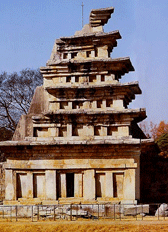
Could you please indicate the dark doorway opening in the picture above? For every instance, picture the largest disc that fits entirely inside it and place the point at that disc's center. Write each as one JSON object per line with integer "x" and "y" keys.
{"x": 70, "y": 184}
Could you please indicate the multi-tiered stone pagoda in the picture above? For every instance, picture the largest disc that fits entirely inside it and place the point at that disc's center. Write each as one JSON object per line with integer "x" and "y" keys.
{"x": 79, "y": 141}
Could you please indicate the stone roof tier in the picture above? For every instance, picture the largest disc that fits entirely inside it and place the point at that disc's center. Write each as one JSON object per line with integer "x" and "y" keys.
{"x": 89, "y": 92}
{"x": 90, "y": 116}
{"x": 118, "y": 66}
{"x": 89, "y": 39}
{"x": 99, "y": 17}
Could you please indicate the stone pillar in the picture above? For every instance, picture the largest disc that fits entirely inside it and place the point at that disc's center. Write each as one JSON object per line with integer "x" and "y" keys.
{"x": 87, "y": 131}
{"x": 58, "y": 80}
{"x": 137, "y": 177}
{"x": 69, "y": 56}
{"x": 103, "y": 131}
{"x": 113, "y": 76}
{"x": 52, "y": 131}
{"x": 78, "y": 185}
{"x": 129, "y": 186}
{"x": 63, "y": 185}
{"x": 9, "y": 186}
{"x": 73, "y": 79}
{"x": 92, "y": 54}
{"x": 103, "y": 51}
{"x": 64, "y": 80}
{"x": 109, "y": 79}
{"x": 118, "y": 104}
{"x": 94, "y": 104}
{"x": 57, "y": 132}
{"x": 56, "y": 106}
{"x": 104, "y": 104}
{"x": 69, "y": 130}
{"x": 123, "y": 131}
{"x": 109, "y": 184}
{"x": 50, "y": 179}
{"x": 70, "y": 105}
{"x": 29, "y": 185}
{"x": 98, "y": 78}
{"x": 89, "y": 192}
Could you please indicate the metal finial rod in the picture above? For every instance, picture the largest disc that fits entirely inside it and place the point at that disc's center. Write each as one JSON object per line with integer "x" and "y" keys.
{"x": 82, "y": 14}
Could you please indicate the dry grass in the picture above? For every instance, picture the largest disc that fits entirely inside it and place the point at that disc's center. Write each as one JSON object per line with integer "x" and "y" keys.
{"x": 82, "y": 226}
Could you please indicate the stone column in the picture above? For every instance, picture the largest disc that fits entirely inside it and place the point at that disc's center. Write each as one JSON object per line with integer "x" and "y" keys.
{"x": 94, "y": 104}
{"x": 103, "y": 131}
{"x": 73, "y": 79}
{"x": 137, "y": 177}
{"x": 98, "y": 78}
{"x": 64, "y": 80}
{"x": 9, "y": 186}
{"x": 129, "y": 185}
{"x": 89, "y": 185}
{"x": 63, "y": 185}
{"x": 69, "y": 130}
{"x": 29, "y": 185}
{"x": 78, "y": 185}
{"x": 118, "y": 104}
{"x": 50, "y": 179}
{"x": 70, "y": 105}
{"x": 104, "y": 104}
{"x": 92, "y": 54}
{"x": 109, "y": 184}
{"x": 103, "y": 51}
{"x": 69, "y": 56}
{"x": 52, "y": 131}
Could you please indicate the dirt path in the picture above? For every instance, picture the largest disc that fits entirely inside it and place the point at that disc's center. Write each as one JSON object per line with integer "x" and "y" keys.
{"x": 88, "y": 226}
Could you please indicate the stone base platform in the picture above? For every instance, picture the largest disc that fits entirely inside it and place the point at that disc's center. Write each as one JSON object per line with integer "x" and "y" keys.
{"x": 65, "y": 201}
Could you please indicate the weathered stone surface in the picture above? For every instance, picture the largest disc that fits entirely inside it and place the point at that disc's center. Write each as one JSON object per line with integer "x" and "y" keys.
{"x": 162, "y": 211}
{"x": 77, "y": 144}
{"x": 2, "y": 182}
{"x": 135, "y": 209}
{"x": 100, "y": 17}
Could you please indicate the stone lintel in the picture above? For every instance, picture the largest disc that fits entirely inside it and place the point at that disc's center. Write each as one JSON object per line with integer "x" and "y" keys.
{"x": 76, "y": 166}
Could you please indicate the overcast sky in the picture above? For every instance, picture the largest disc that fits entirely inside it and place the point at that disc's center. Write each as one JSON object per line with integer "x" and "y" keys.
{"x": 28, "y": 29}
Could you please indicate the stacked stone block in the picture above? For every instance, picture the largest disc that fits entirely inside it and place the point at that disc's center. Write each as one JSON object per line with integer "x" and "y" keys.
{"x": 79, "y": 142}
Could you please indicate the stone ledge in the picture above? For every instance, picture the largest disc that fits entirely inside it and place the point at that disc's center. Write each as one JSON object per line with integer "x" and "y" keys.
{"x": 31, "y": 141}
{"x": 99, "y": 17}
{"x": 88, "y": 85}
{"x": 91, "y": 60}
{"x": 114, "y": 34}
{"x": 141, "y": 112}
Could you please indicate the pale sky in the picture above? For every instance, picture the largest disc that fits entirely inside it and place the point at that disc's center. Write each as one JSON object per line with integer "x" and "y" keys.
{"x": 29, "y": 28}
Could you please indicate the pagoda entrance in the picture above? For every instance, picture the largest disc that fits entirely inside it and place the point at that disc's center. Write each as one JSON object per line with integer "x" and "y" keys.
{"x": 70, "y": 184}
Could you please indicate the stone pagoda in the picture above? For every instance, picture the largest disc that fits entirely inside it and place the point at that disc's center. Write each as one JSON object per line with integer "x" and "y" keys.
{"x": 79, "y": 142}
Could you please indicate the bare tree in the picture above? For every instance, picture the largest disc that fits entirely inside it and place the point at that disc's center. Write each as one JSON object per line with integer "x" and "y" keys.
{"x": 16, "y": 92}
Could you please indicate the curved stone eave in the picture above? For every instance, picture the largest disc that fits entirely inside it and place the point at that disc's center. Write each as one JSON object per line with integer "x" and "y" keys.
{"x": 113, "y": 34}
{"x": 119, "y": 65}
{"x": 132, "y": 86}
{"x": 90, "y": 112}
{"x": 136, "y": 115}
